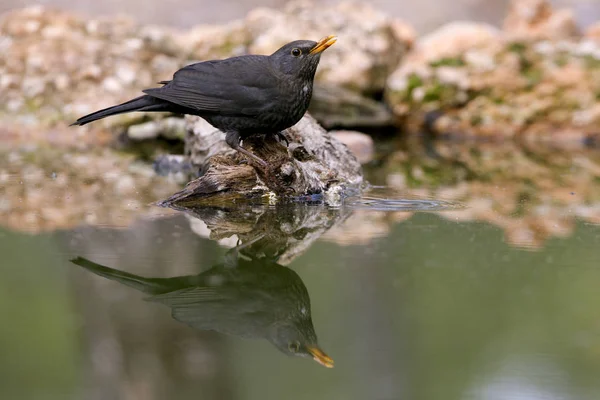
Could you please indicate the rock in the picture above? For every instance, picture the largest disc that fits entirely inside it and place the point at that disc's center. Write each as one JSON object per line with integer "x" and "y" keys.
{"x": 536, "y": 19}
{"x": 280, "y": 232}
{"x": 101, "y": 61}
{"x": 145, "y": 131}
{"x": 315, "y": 165}
{"x": 109, "y": 60}
{"x": 360, "y": 144}
{"x": 593, "y": 32}
{"x": 100, "y": 186}
{"x": 335, "y": 106}
{"x": 370, "y": 44}
{"x": 210, "y": 42}
{"x": 476, "y": 81}
{"x": 175, "y": 166}
{"x": 452, "y": 40}
{"x": 439, "y": 58}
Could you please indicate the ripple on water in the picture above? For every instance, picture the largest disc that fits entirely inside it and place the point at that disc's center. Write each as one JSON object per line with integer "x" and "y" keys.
{"x": 384, "y": 199}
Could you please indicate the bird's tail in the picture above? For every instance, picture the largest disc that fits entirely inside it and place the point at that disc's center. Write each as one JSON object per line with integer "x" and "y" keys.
{"x": 142, "y": 103}
{"x": 151, "y": 286}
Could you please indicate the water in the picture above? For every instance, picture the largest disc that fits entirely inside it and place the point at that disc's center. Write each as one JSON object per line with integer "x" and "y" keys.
{"x": 459, "y": 283}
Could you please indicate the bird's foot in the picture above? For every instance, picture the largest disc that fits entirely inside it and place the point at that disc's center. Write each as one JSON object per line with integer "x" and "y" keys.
{"x": 282, "y": 138}
{"x": 253, "y": 157}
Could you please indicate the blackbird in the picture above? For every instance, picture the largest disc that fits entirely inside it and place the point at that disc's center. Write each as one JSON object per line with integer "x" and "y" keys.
{"x": 252, "y": 298}
{"x": 241, "y": 96}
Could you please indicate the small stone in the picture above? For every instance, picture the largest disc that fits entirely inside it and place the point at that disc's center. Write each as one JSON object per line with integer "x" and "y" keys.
{"x": 33, "y": 86}
{"x": 454, "y": 39}
{"x": 126, "y": 74}
{"x": 360, "y": 144}
{"x": 172, "y": 128}
{"x": 536, "y": 19}
{"x": 61, "y": 82}
{"x": 125, "y": 185}
{"x": 145, "y": 131}
{"x": 111, "y": 84}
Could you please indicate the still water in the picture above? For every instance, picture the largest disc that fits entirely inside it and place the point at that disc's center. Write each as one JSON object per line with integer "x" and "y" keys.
{"x": 450, "y": 289}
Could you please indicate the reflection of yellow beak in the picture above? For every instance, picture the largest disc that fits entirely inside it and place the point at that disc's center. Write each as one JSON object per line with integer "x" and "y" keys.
{"x": 323, "y": 44}
{"x": 320, "y": 357}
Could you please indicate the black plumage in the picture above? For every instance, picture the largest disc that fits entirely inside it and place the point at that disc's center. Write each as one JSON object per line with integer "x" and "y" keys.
{"x": 257, "y": 299}
{"x": 241, "y": 96}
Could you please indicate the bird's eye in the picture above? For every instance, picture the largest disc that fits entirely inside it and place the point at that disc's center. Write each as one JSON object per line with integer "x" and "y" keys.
{"x": 296, "y": 52}
{"x": 294, "y": 347}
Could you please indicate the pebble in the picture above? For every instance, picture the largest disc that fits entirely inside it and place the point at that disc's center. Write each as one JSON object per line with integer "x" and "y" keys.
{"x": 360, "y": 144}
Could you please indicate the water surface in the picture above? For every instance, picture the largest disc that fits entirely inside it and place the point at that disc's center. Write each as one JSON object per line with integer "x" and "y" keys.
{"x": 471, "y": 282}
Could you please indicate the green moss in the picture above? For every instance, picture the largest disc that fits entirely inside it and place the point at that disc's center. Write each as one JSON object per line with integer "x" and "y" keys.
{"x": 591, "y": 62}
{"x": 433, "y": 93}
{"x": 524, "y": 198}
{"x": 448, "y": 62}
{"x": 561, "y": 59}
{"x": 476, "y": 120}
{"x": 517, "y": 47}
{"x": 534, "y": 76}
{"x": 414, "y": 81}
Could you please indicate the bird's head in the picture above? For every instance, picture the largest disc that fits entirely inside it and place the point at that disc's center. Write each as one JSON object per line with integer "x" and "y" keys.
{"x": 300, "y": 58}
{"x": 299, "y": 340}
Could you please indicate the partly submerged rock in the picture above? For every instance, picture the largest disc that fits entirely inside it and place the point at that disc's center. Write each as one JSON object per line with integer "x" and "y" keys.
{"x": 281, "y": 232}
{"x": 314, "y": 166}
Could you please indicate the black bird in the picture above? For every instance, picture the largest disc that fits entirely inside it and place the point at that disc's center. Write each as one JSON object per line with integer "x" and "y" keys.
{"x": 241, "y": 96}
{"x": 251, "y": 299}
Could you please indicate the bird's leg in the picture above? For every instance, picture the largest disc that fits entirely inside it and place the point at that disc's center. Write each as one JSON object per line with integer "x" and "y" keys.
{"x": 282, "y": 138}
{"x": 233, "y": 139}
{"x": 231, "y": 257}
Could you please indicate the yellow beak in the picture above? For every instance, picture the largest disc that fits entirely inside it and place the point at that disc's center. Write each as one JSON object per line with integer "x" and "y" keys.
{"x": 323, "y": 44}
{"x": 320, "y": 357}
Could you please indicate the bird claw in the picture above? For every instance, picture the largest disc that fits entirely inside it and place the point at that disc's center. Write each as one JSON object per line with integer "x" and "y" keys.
{"x": 281, "y": 138}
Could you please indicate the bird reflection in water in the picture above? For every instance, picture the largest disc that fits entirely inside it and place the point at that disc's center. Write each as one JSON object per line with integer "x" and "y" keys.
{"x": 244, "y": 296}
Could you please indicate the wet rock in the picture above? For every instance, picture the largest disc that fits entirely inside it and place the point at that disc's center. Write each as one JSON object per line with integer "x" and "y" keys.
{"x": 273, "y": 231}
{"x": 177, "y": 167}
{"x": 314, "y": 164}
{"x": 62, "y": 189}
{"x": 360, "y": 144}
{"x": 532, "y": 192}
{"x": 536, "y": 19}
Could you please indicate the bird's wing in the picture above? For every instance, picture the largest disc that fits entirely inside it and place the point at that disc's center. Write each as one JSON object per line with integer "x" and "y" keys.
{"x": 239, "y": 85}
{"x": 223, "y": 310}
{"x": 189, "y": 296}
